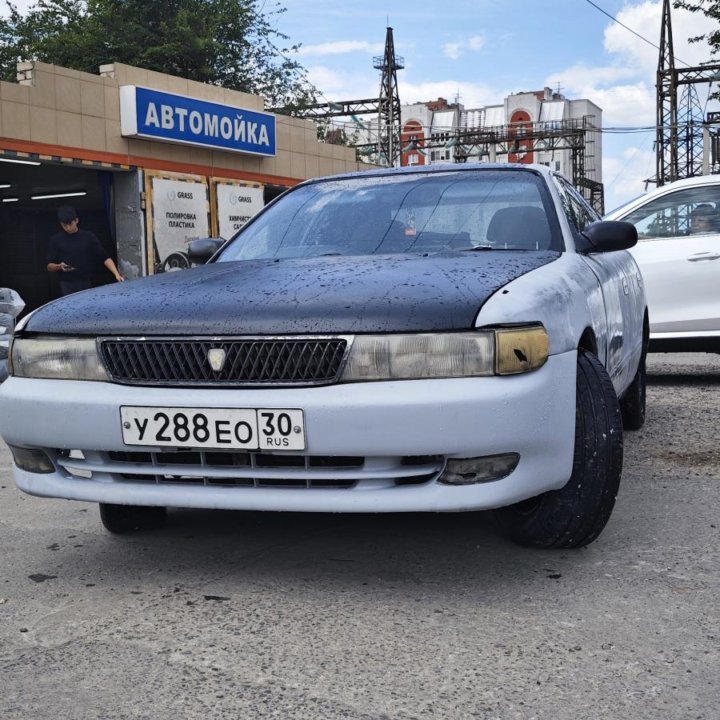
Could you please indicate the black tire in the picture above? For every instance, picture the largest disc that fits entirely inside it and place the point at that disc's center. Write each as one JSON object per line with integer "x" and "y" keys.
{"x": 632, "y": 403}
{"x": 121, "y": 519}
{"x": 576, "y": 514}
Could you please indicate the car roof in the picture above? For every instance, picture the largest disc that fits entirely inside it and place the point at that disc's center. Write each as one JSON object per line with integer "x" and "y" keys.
{"x": 434, "y": 168}
{"x": 698, "y": 180}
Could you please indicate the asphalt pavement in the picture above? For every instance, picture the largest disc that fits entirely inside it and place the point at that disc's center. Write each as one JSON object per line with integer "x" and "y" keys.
{"x": 240, "y": 615}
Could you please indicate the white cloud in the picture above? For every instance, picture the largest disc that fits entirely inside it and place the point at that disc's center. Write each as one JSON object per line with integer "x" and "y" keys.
{"x": 342, "y": 85}
{"x": 625, "y": 87}
{"x": 476, "y": 42}
{"x": 454, "y": 50}
{"x": 625, "y": 175}
{"x": 583, "y": 76}
{"x": 337, "y": 85}
{"x": 630, "y": 105}
{"x": 341, "y": 47}
{"x": 471, "y": 95}
{"x": 623, "y": 103}
{"x": 644, "y": 18}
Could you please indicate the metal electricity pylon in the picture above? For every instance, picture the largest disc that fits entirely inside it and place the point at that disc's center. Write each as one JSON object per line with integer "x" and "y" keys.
{"x": 672, "y": 161}
{"x": 690, "y": 132}
{"x": 386, "y": 106}
{"x": 389, "y": 110}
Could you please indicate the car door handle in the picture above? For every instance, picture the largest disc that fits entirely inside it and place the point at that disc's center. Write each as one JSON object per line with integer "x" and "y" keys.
{"x": 703, "y": 256}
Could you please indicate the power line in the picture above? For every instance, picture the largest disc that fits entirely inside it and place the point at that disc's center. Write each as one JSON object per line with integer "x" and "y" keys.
{"x": 616, "y": 130}
{"x": 635, "y": 152}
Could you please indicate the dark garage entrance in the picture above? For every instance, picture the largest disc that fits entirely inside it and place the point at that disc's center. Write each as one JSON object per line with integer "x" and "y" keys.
{"x": 28, "y": 220}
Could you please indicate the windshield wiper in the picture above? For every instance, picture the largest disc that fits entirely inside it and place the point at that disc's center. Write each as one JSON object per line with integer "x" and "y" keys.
{"x": 477, "y": 248}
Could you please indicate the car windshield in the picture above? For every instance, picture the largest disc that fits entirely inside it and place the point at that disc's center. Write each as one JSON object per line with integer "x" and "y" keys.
{"x": 404, "y": 213}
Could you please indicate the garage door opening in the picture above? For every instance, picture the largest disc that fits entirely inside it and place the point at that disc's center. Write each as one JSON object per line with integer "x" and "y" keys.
{"x": 30, "y": 195}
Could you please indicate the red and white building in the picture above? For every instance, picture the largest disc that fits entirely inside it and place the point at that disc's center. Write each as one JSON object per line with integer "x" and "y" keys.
{"x": 434, "y": 132}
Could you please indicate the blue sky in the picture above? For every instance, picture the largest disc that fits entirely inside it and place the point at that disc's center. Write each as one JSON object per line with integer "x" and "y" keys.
{"x": 482, "y": 50}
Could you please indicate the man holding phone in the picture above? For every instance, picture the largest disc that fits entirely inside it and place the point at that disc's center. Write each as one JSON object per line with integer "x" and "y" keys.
{"x": 76, "y": 254}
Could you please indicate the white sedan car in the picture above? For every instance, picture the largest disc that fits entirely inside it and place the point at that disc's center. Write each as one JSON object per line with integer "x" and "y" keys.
{"x": 417, "y": 340}
{"x": 678, "y": 253}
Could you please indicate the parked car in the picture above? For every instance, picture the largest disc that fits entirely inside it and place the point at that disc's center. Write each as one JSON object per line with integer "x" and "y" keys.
{"x": 430, "y": 339}
{"x": 11, "y": 305}
{"x": 678, "y": 253}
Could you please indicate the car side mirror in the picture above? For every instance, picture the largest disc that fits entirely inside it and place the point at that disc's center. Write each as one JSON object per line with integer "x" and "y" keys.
{"x": 607, "y": 236}
{"x": 201, "y": 250}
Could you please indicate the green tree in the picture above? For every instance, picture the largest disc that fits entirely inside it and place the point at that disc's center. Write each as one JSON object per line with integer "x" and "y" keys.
{"x": 332, "y": 134}
{"x": 232, "y": 43}
{"x": 711, "y": 10}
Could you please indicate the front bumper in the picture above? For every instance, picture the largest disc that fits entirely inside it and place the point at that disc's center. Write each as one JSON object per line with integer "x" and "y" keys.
{"x": 382, "y": 423}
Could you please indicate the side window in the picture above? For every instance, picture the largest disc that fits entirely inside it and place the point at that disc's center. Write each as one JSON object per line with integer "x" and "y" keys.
{"x": 583, "y": 211}
{"x": 579, "y": 213}
{"x": 567, "y": 205}
{"x": 684, "y": 212}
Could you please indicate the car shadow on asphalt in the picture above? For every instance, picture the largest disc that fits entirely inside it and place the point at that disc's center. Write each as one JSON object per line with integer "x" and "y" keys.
{"x": 346, "y": 535}
{"x": 684, "y": 379}
{"x": 215, "y": 550}
{"x": 684, "y": 369}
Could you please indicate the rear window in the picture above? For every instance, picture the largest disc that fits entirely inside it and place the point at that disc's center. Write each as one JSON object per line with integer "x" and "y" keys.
{"x": 404, "y": 213}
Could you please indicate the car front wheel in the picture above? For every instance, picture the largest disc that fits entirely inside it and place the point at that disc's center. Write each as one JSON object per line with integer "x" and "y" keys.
{"x": 120, "y": 519}
{"x": 577, "y": 513}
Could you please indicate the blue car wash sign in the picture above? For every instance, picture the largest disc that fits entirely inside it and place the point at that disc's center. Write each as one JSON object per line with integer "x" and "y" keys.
{"x": 157, "y": 115}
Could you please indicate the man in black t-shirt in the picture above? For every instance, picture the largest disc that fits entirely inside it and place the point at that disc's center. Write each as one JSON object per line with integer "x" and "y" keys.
{"x": 76, "y": 254}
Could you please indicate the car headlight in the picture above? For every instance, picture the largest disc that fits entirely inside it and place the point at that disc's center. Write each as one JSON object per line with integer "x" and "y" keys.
{"x": 520, "y": 349}
{"x": 56, "y": 358}
{"x": 502, "y": 351}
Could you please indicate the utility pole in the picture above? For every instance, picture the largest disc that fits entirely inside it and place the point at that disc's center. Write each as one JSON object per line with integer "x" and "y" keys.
{"x": 666, "y": 145}
{"x": 389, "y": 103}
{"x": 690, "y": 132}
{"x": 672, "y": 162}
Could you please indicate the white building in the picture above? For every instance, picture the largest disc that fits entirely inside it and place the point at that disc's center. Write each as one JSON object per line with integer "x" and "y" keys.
{"x": 540, "y": 126}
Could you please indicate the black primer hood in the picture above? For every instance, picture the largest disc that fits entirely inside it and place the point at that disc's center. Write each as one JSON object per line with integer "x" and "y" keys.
{"x": 374, "y": 293}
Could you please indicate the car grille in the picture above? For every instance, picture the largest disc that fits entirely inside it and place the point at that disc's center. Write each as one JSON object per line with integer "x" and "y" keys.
{"x": 252, "y": 469}
{"x": 256, "y": 361}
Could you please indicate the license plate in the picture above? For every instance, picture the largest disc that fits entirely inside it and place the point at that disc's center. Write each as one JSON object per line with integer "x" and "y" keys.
{"x": 214, "y": 428}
